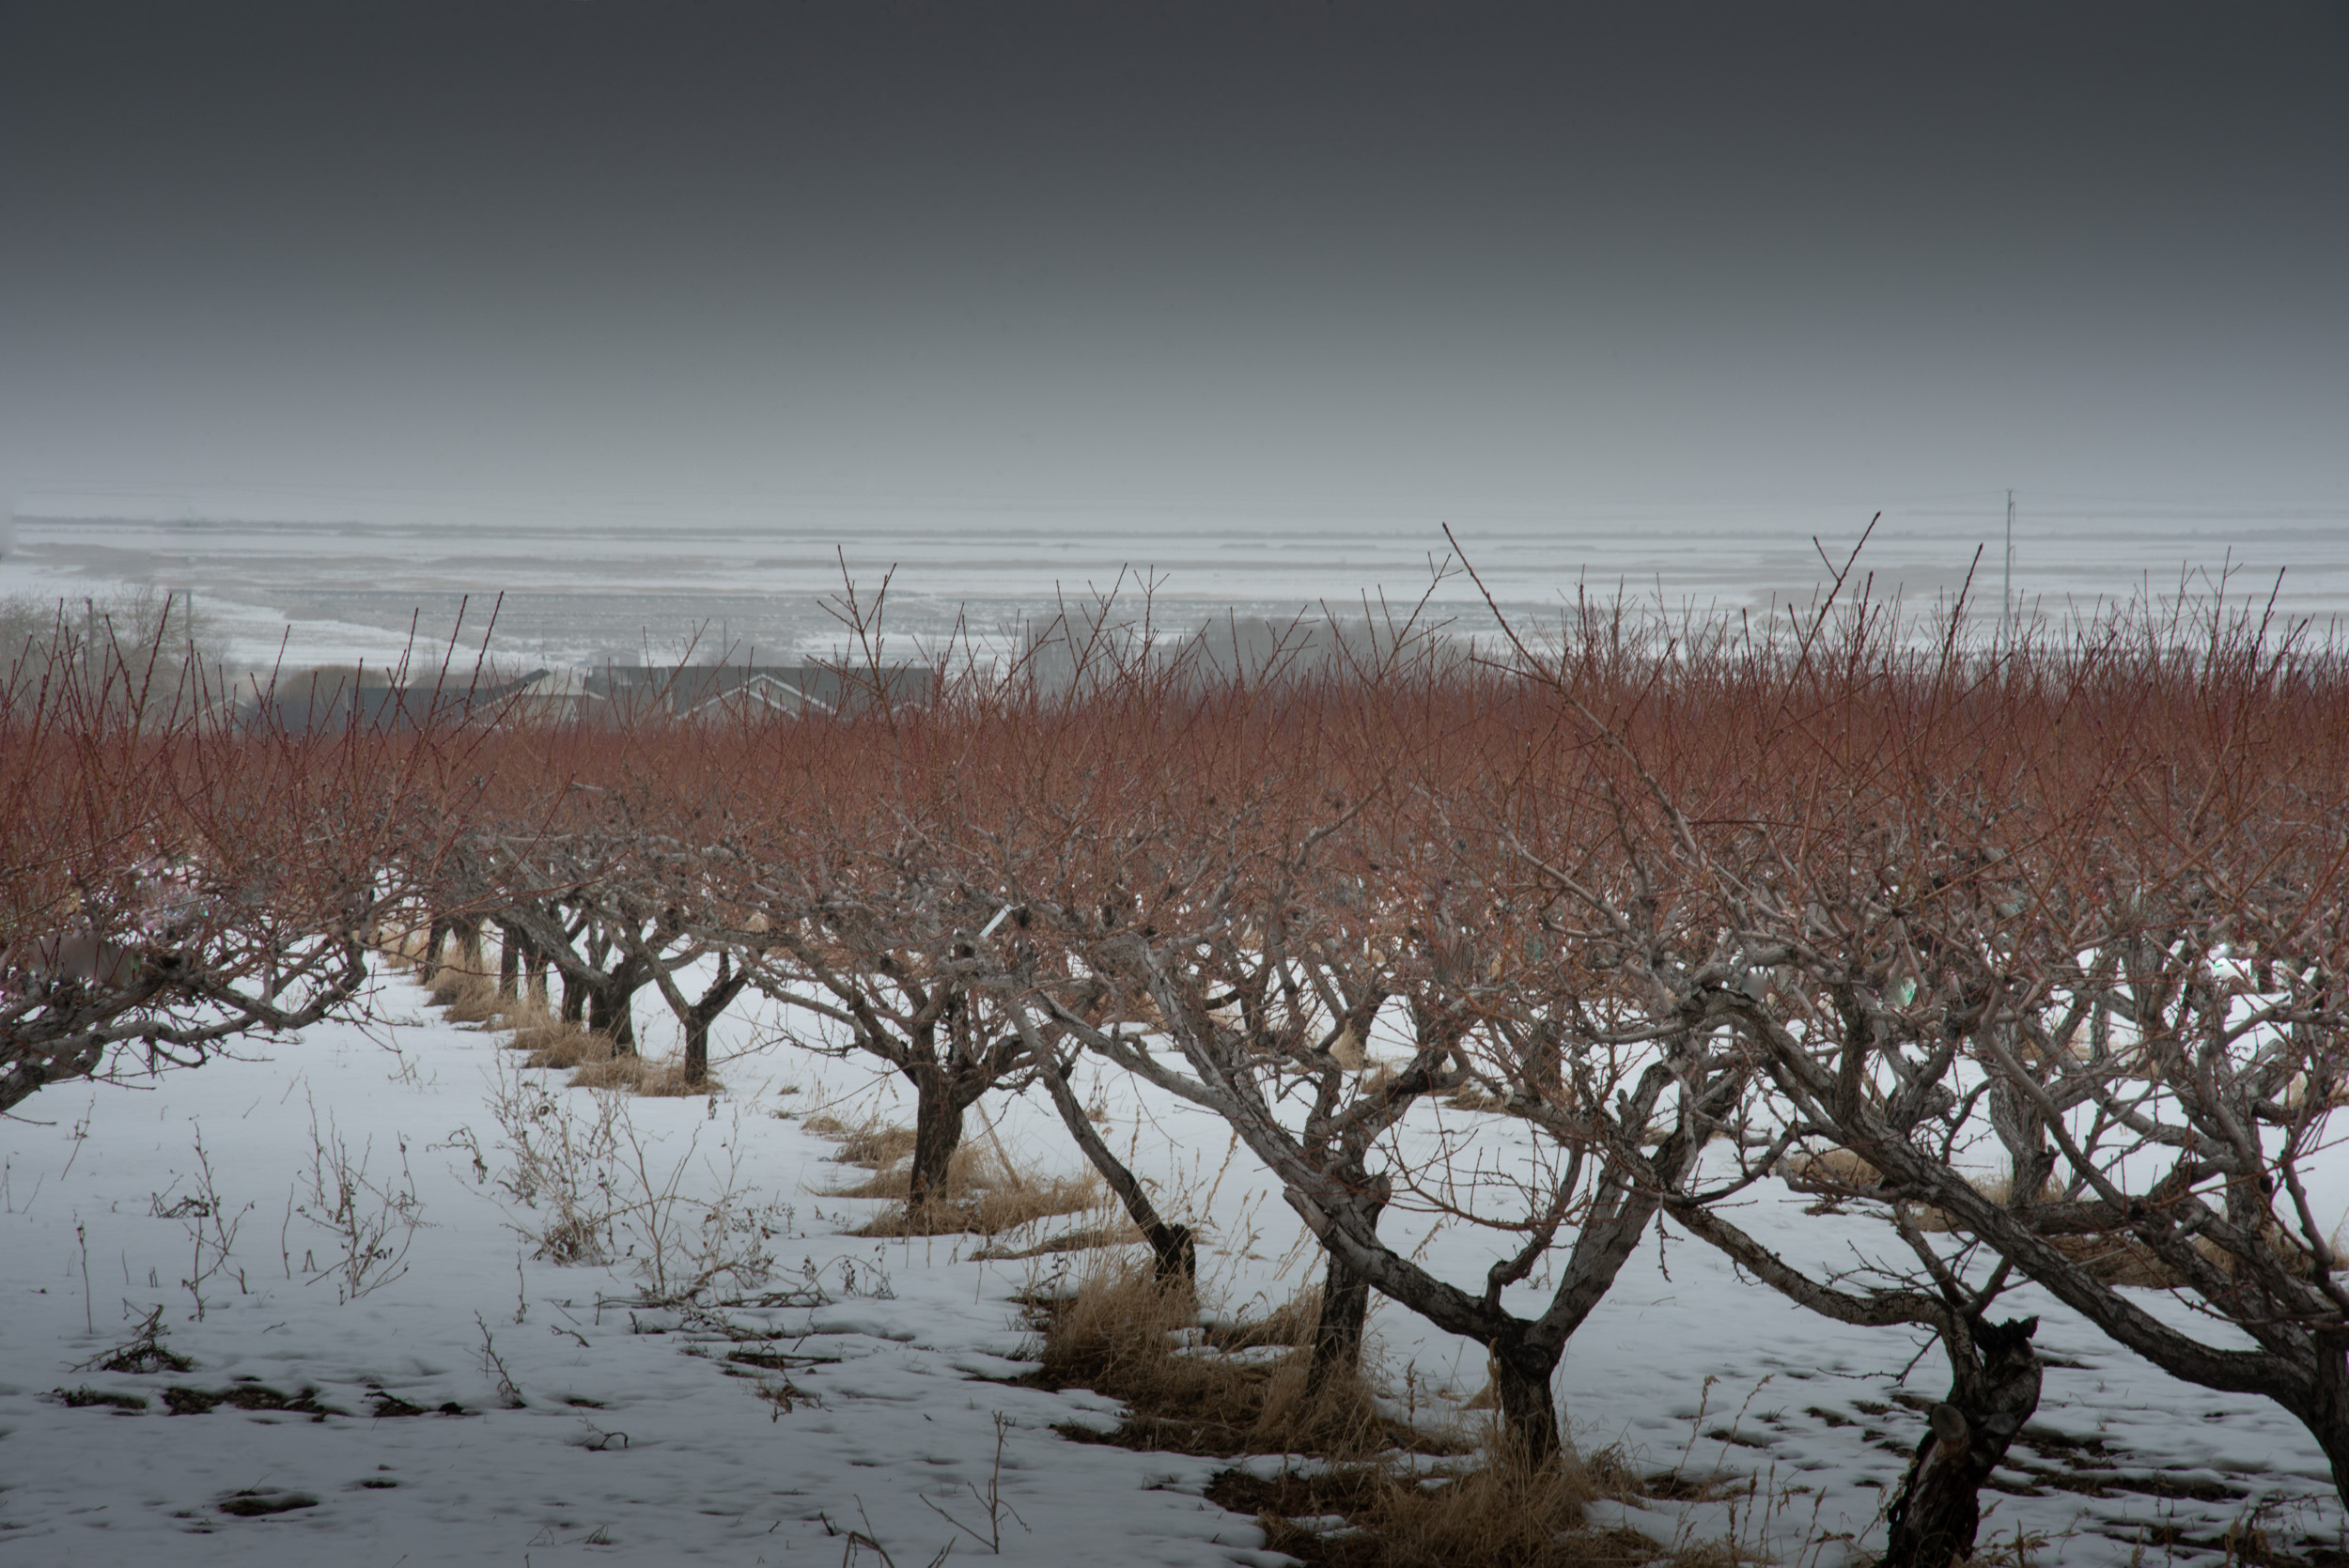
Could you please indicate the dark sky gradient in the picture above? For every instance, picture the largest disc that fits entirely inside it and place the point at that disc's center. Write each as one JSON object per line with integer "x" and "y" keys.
{"x": 1274, "y": 255}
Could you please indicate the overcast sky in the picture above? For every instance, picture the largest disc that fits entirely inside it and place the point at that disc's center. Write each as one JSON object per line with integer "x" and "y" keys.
{"x": 1280, "y": 253}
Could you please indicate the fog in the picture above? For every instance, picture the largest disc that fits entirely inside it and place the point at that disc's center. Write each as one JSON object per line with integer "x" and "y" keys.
{"x": 1014, "y": 293}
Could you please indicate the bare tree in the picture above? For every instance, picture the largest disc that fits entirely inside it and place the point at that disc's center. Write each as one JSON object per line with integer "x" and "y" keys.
{"x": 169, "y": 880}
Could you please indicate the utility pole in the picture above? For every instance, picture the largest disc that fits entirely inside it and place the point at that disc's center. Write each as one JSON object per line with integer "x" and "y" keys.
{"x": 2006, "y": 589}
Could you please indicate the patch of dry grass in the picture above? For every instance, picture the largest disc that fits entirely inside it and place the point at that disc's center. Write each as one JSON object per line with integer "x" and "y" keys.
{"x": 1833, "y": 1167}
{"x": 871, "y": 1143}
{"x": 592, "y": 1058}
{"x": 470, "y": 999}
{"x": 1291, "y": 1323}
{"x": 667, "y": 1080}
{"x": 1117, "y": 1231}
{"x": 982, "y": 1194}
{"x": 615, "y": 1070}
{"x": 1199, "y": 1391}
{"x": 1399, "y": 1516}
{"x": 1226, "y": 1391}
{"x": 563, "y": 1045}
{"x": 539, "y": 1032}
{"x": 1340, "y": 1420}
{"x": 619, "y": 1069}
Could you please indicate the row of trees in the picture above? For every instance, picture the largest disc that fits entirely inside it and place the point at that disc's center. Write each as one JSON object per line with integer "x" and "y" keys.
{"x": 2034, "y": 951}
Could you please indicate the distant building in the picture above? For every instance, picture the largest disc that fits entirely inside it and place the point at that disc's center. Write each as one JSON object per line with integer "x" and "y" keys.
{"x": 322, "y": 701}
{"x": 750, "y": 690}
{"x": 557, "y": 697}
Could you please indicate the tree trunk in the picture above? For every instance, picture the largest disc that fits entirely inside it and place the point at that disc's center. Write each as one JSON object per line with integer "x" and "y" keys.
{"x": 1176, "y": 1250}
{"x": 609, "y": 1013}
{"x": 574, "y": 1000}
{"x": 1345, "y": 1305}
{"x": 1529, "y": 1411}
{"x": 937, "y": 1132}
{"x": 510, "y": 962}
{"x": 703, "y": 1013}
{"x": 1996, "y": 1388}
{"x": 435, "y": 944}
{"x": 2326, "y": 1412}
{"x": 469, "y": 946}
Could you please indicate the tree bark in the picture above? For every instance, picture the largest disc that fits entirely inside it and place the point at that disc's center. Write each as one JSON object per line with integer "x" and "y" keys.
{"x": 1529, "y": 1411}
{"x": 468, "y": 953}
{"x": 703, "y": 1013}
{"x": 2325, "y": 1413}
{"x": 435, "y": 946}
{"x": 510, "y": 962}
{"x": 938, "y": 1108}
{"x": 1993, "y": 1392}
{"x": 1345, "y": 1305}
{"x": 609, "y": 1013}
{"x": 1174, "y": 1247}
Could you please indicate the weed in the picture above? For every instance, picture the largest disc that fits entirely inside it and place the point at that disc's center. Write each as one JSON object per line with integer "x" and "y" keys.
{"x": 145, "y": 1351}
{"x": 604, "y": 1193}
{"x": 212, "y": 1231}
{"x": 373, "y": 1224}
{"x": 82, "y": 1398}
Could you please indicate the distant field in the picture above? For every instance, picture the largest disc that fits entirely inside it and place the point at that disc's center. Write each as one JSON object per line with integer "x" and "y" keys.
{"x": 578, "y": 588}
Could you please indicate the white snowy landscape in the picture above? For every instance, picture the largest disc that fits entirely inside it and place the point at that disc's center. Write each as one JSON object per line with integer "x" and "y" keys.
{"x": 460, "y": 1399}
{"x": 783, "y": 783}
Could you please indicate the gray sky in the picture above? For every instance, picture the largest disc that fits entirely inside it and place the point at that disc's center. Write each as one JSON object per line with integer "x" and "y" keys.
{"x": 1436, "y": 256}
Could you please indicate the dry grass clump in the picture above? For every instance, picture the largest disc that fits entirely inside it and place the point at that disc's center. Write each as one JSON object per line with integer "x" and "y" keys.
{"x": 1499, "y": 1516}
{"x": 1215, "y": 1391}
{"x": 871, "y": 1143}
{"x": 1116, "y": 1232}
{"x": 1832, "y": 1168}
{"x": 2116, "y": 1260}
{"x": 615, "y": 1070}
{"x": 469, "y": 998}
{"x": 1291, "y": 1323}
{"x": 1119, "y": 1334}
{"x": 668, "y": 1080}
{"x": 1341, "y": 1419}
{"x": 1399, "y": 1516}
{"x": 1198, "y": 1391}
{"x": 563, "y": 1045}
{"x": 1472, "y": 1097}
{"x": 619, "y": 1069}
{"x": 401, "y": 949}
{"x": 982, "y": 1193}
{"x": 594, "y": 1060}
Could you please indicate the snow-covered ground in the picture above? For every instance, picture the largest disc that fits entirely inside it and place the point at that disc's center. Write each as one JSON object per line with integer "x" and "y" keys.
{"x": 592, "y": 1430}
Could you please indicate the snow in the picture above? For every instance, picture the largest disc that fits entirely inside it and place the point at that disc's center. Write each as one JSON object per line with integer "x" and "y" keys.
{"x": 637, "y": 1439}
